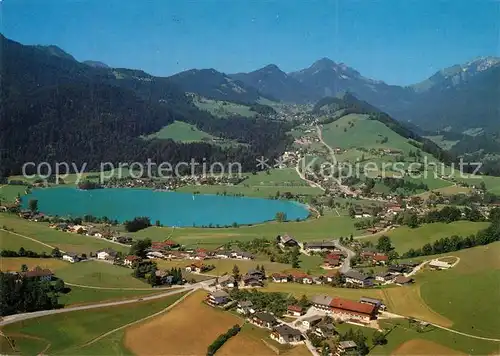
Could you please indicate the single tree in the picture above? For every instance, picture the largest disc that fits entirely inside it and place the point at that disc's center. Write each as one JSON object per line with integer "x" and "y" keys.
{"x": 59, "y": 286}
{"x": 379, "y": 338}
{"x": 33, "y": 205}
{"x": 236, "y": 273}
{"x": 24, "y": 268}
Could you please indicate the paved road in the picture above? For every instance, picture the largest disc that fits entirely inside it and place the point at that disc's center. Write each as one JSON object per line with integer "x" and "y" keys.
{"x": 345, "y": 189}
{"x": 25, "y": 316}
{"x": 346, "y": 264}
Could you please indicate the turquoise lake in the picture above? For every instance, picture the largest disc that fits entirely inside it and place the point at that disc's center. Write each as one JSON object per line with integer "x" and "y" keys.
{"x": 170, "y": 208}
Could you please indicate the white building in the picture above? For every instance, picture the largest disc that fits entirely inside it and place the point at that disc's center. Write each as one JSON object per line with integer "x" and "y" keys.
{"x": 71, "y": 257}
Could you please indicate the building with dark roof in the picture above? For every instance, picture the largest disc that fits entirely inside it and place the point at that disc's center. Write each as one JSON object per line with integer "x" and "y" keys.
{"x": 285, "y": 334}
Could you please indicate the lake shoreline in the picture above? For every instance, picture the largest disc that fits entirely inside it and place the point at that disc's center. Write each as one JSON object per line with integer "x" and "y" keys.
{"x": 171, "y": 208}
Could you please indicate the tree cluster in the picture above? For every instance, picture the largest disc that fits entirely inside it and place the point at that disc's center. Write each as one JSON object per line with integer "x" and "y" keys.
{"x": 24, "y": 295}
{"x": 221, "y": 339}
{"x": 455, "y": 243}
{"x": 88, "y": 185}
{"x": 137, "y": 224}
{"x": 359, "y": 338}
{"x": 139, "y": 248}
{"x": 23, "y": 253}
{"x": 274, "y": 302}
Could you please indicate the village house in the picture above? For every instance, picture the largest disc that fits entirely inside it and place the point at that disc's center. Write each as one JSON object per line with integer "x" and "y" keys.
{"x": 321, "y": 302}
{"x": 106, "y": 254}
{"x": 319, "y": 246}
{"x": 295, "y": 310}
{"x": 380, "y": 259}
{"x": 331, "y": 276}
{"x": 397, "y": 269}
{"x": 384, "y": 277}
{"x": 223, "y": 255}
{"x": 78, "y": 229}
{"x": 171, "y": 244}
{"x": 285, "y": 334}
{"x": 279, "y": 278}
{"x": 196, "y": 267}
{"x": 349, "y": 309}
{"x": 226, "y": 281}
{"x": 264, "y": 320}
{"x": 219, "y": 297}
{"x": 252, "y": 280}
{"x": 39, "y": 273}
{"x": 245, "y": 307}
{"x": 345, "y": 347}
{"x": 325, "y": 329}
{"x": 287, "y": 241}
{"x": 360, "y": 213}
{"x": 164, "y": 277}
{"x": 242, "y": 255}
{"x": 357, "y": 278}
{"x": 436, "y": 264}
{"x": 331, "y": 261}
{"x": 130, "y": 260}
{"x": 375, "y": 302}
{"x": 367, "y": 253}
{"x": 155, "y": 254}
{"x": 311, "y": 321}
{"x": 201, "y": 254}
{"x": 126, "y": 240}
{"x": 71, "y": 257}
{"x": 256, "y": 274}
{"x": 402, "y": 280}
{"x": 301, "y": 277}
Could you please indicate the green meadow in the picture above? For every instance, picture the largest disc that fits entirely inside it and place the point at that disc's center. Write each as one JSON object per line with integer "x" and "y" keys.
{"x": 9, "y": 193}
{"x": 67, "y": 333}
{"x": 65, "y": 241}
{"x": 262, "y": 184}
{"x": 403, "y": 238}
{"x": 100, "y": 274}
{"x": 468, "y": 293}
{"x": 324, "y": 228}
{"x": 223, "y": 109}
{"x": 81, "y": 296}
{"x": 10, "y": 241}
{"x": 180, "y": 131}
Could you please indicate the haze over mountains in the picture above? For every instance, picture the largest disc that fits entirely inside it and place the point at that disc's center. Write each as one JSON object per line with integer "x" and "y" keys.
{"x": 457, "y": 98}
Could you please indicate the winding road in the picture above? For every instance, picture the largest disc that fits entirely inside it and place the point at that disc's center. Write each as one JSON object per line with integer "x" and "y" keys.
{"x": 25, "y": 316}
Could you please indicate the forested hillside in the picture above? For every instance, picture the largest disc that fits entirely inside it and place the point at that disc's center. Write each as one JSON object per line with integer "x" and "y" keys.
{"x": 57, "y": 109}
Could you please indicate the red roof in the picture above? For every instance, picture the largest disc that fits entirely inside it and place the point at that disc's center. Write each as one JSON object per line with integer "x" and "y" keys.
{"x": 197, "y": 264}
{"x": 299, "y": 274}
{"x": 132, "y": 258}
{"x": 334, "y": 255}
{"x": 381, "y": 258}
{"x": 332, "y": 261}
{"x": 170, "y": 243}
{"x": 159, "y": 245}
{"x": 295, "y": 308}
{"x": 352, "y": 306}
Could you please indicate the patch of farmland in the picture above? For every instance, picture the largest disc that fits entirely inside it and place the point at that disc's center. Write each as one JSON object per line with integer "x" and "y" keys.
{"x": 187, "y": 329}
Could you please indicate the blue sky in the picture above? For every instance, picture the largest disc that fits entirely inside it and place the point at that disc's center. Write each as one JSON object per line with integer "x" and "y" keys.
{"x": 400, "y": 42}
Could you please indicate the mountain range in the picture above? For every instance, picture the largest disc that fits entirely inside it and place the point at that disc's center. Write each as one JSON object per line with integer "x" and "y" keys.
{"x": 55, "y": 108}
{"x": 456, "y": 98}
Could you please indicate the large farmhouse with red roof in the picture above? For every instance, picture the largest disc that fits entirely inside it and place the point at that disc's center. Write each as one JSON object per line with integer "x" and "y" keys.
{"x": 345, "y": 309}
